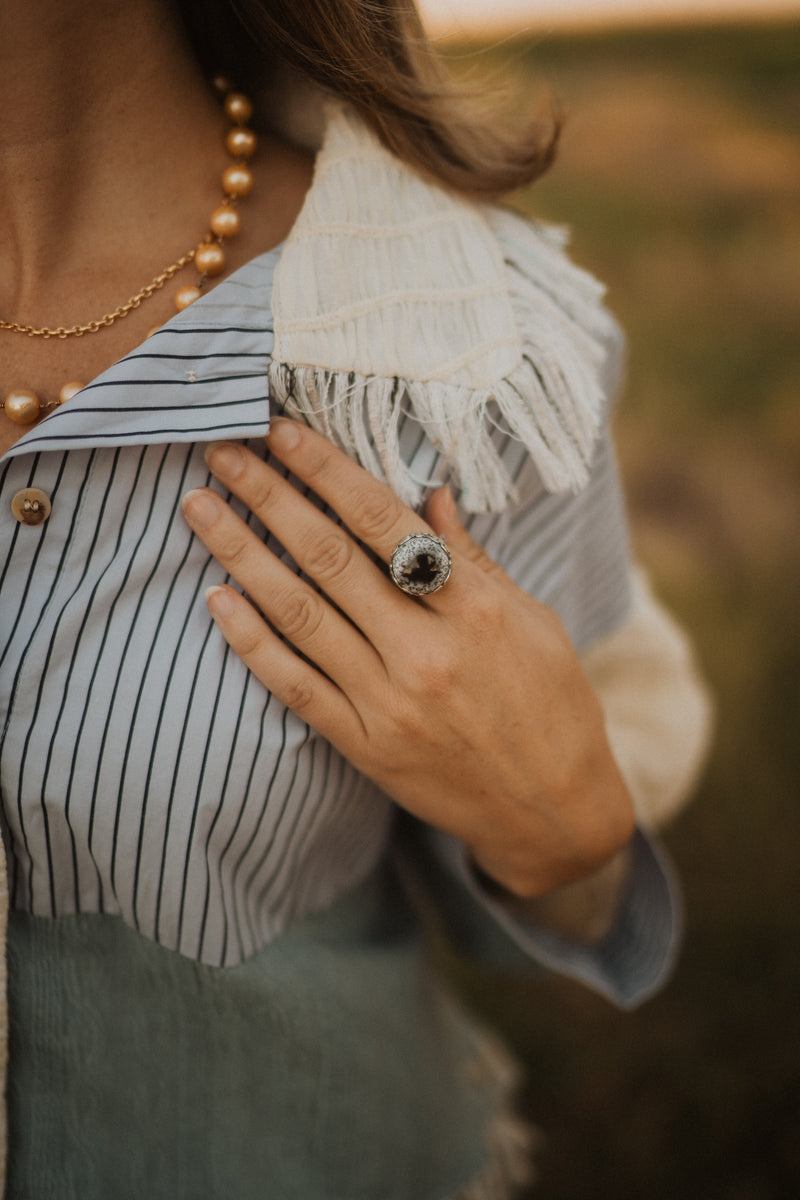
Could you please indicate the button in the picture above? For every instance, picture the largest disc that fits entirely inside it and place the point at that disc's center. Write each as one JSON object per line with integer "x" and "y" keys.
{"x": 31, "y": 506}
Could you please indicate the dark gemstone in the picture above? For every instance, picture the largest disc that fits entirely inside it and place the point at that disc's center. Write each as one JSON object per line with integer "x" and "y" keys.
{"x": 423, "y": 568}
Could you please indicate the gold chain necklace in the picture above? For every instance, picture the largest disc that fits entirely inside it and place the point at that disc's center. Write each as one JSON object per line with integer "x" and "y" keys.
{"x": 61, "y": 331}
{"x": 22, "y": 405}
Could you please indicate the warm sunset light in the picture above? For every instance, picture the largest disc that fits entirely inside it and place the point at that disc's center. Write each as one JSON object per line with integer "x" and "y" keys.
{"x": 467, "y": 16}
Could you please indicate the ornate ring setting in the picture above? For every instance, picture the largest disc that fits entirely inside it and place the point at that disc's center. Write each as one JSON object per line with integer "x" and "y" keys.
{"x": 420, "y": 564}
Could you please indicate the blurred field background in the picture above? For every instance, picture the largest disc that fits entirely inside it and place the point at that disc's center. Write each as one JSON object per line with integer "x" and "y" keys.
{"x": 680, "y": 175}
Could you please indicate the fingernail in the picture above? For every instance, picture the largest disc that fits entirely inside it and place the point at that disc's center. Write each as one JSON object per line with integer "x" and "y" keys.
{"x": 219, "y": 601}
{"x": 225, "y": 459}
{"x": 283, "y": 434}
{"x": 200, "y": 507}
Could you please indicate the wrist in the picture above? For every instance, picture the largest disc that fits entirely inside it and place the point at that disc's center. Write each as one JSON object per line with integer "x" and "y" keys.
{"x": 584, "y": 910}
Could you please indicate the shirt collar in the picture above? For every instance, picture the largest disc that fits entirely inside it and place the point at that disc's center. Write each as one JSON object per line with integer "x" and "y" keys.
{"x": 200, "y": 377}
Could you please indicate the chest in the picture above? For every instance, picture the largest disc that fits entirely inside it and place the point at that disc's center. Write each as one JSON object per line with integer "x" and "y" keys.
{"x": 143, "y": 770}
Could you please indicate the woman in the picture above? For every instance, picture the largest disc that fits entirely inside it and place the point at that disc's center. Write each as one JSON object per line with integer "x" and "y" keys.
{"x": 216, "y": 980}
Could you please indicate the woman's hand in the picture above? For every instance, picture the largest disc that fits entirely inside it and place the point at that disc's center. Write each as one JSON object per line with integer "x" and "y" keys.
{"x": 468, "y": 707}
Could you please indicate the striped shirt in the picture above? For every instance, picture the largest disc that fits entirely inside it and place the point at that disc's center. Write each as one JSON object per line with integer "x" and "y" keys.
{"x": 143, "y": 771}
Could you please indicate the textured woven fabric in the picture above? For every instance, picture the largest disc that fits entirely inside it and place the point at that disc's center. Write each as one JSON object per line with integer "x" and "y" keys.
{"x": 328, "y": 1067}
{"x": 151, "y": 787}
{"x": 144, "y": 771}
{"x": 393, "y": 292}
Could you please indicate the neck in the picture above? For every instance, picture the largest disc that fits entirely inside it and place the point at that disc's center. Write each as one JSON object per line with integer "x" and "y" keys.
{"x": 109, "y": 152}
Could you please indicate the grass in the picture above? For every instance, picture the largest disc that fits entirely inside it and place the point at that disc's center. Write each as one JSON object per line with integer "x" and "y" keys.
{"x": 680, "y": 175}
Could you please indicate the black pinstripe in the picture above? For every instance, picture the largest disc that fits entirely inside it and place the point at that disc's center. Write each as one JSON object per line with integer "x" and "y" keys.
{"x": 143, "y": 770}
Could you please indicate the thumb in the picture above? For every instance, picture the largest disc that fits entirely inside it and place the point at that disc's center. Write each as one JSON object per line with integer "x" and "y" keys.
{"x": 442, "y": 515}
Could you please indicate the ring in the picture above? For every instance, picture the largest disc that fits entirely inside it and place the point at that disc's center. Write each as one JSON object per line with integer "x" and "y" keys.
{"x": 420, "y": 564}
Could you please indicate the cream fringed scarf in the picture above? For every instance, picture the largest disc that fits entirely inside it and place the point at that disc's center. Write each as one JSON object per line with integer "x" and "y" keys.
{"x": 395, "y": 295}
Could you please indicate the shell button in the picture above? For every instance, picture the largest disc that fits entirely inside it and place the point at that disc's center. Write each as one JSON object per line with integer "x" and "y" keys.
{"x": 31, "y": 506}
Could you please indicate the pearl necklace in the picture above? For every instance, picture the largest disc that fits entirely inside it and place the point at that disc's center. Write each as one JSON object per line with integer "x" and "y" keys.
{"x": 23, "y": 406}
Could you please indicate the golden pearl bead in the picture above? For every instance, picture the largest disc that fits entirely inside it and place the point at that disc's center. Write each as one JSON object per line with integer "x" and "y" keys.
{"x": 22, "y": 406}
{"x": 209, "y": 259}
{"x": 238, "y": 108}
{"x": 237, "y": 180}
{"x": 222, "y": 84}
{"x": 185, "y": 296}
{"x": 241, "y": 142}
{"x": 225, "y": 221}
{"x": 69, "y": 390}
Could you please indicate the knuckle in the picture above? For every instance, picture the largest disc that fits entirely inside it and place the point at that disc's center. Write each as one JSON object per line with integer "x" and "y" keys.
{"x": 434, "y": 671}
{"x": 378, "y": 514}
{"x": 476, "y": 553}
{"x": 329, "y": 557}
{"x": 248, "y": 644}
{"x": 403, "y": 719}
{"x": 237, "y": 554}
{"x": 297, "y": 694}
{"x": 319, "y": 458}
{"x": 300, "y": 616}
{"x": 260, "y": 492}
{"x": 486, "y": 611}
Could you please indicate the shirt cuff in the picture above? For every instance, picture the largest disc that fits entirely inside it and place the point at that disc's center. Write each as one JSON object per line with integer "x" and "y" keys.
{"x": 627, "y": 966}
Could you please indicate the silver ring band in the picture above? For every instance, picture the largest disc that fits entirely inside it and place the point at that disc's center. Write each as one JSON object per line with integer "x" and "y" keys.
{"x": 420, "y": 564}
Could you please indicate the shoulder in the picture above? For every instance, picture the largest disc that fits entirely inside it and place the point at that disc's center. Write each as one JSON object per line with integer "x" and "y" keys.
{"x": 388, "y": 277}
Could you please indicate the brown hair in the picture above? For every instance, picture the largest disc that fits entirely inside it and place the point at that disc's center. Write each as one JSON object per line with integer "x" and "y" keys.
{"x": 376, "y": 55}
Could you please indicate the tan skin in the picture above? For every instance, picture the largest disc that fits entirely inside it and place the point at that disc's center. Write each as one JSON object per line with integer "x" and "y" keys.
{"x": 490, "y": 729}
{"x": 108, "y": 174}
{"x": 468, "y": 707}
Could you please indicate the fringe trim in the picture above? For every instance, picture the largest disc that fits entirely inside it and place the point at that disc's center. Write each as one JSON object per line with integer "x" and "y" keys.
{"x": 511, "y": 1142}
{"x": 386, "y": 274}
{"x": 552, "y": 401}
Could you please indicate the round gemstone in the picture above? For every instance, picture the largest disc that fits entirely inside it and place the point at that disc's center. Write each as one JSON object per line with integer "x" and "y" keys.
{"x": 420, "y": 564}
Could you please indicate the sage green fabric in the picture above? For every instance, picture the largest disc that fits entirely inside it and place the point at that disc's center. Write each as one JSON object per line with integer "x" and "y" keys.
{"x": 327, "y": 1067}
